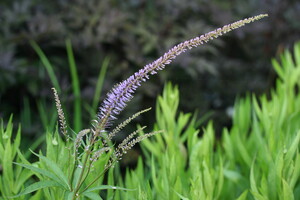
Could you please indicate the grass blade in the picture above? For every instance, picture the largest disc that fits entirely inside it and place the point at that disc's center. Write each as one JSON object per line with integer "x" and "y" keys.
{"x": 47, "y": 64}
{"x": 99, "y": 84}
{"x": 77, "y": 123}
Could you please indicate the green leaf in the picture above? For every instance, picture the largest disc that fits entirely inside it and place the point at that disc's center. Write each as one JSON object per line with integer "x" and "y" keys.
{"x": 258, "y": 196}
{"x": 47, "y": 64}
{"x": 254, "y": 191}
{"x": 194, "y": 155}
{"x": 76, "y": 175}
{"x": 279, "y": 164}
{"x": 252, "y": 179}
{"x": 7, "y": 133}
{"x": 106, "y": 187}
{"x": 21, "y": 179}
{"x": 99, "y": 84}
{"x": 41, "y": 171}
{"x": 241, "y": 147}
{"x": 264, "y": 187}
{"x": 56, "y": 170}
{"x": 183, "y": 124}
{"x": 77, "y": 123}
{"x": 181, "y": 196}
{"x": 243, "y": 196}
{"x": 297, "y": 54}
{"x": 92, "y": 196}
{"x": 278, "y": 69}
{"x": 69, "y": 195}
{"x": 292, "y": 150}
{"x": 8, "y": 174}
{"x": 220, "y": 178}
{"x": 110, "y": 181}
{"x": 208, "y": 180}
{"x": 296, "y": 172}
{"x": 37, "y": 196}
{"x": 37, "y": 186}
{"x": 287, "y": 191}
{"x": 17, "y": 141}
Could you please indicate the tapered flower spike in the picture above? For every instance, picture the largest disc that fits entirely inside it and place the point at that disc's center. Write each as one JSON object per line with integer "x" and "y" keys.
{"x": 122, "y": 93}
{"x": 61, "y": 115}
{"x": 123, "y": 124}
{"x": 127, "y": 144}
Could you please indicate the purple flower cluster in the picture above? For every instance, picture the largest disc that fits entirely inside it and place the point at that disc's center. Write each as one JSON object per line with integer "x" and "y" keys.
{"x": 122, "y": 93}
{"x": 118, "y": 97}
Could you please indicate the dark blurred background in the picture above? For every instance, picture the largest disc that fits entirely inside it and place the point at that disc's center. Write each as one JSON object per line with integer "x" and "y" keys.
{"x": 133, "y": 33}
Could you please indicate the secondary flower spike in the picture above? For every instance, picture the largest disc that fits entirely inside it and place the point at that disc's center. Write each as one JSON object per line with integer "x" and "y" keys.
{"x": 122, "y": 93}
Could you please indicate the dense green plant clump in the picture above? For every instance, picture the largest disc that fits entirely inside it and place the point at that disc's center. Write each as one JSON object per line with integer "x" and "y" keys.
{"x": 257, "y": 158}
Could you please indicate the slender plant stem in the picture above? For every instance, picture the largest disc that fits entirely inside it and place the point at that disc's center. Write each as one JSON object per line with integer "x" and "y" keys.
{"x": 101, "y": 174}
{"x": 72, "y": 170}
{"x": 87, "y": 173}
{"x": 81, "y": 173}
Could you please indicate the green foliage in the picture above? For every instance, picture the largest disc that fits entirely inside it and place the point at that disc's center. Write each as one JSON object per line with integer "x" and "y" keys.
{"x": 66, "y": 170}
{"x": 76, "y": 88}
{"x": 57, "y": 172}
{"x": 257, "y": 158}
{"x": 54, "y": 171}
{"x": 12, "y": 177}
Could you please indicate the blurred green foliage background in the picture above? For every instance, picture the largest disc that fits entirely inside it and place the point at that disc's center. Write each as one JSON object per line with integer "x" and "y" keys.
{"x": 131, "y": 34}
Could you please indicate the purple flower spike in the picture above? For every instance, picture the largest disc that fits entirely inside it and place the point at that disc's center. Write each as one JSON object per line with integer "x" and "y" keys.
{"x": 122, "y": 93}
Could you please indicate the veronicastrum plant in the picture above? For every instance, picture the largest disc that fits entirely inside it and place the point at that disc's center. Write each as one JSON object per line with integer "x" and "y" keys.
{"x": 74, "y": 169}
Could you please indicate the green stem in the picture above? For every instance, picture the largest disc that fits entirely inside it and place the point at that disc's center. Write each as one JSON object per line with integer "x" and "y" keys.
{"x": 101, "y": 174}
{"x": 73, "y": 169}
{"x": 87, "y": 173}
{"x": 81, "y": 174}
{"x": 70, "y": 172}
